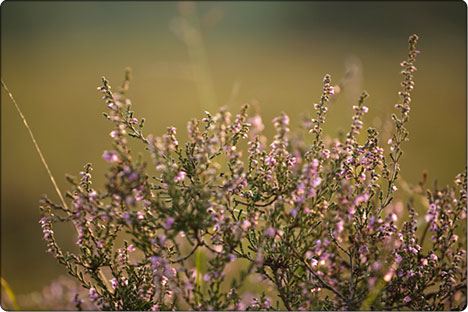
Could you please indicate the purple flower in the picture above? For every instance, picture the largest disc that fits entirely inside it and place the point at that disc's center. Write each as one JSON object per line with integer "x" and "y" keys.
{"x": 316, "y": 181}
{"x": 169, "y": 222}
{"x": 407, "y": 299}
{"x": 139, "y": 196}
{"x": 127, "y": 217}
{"x": 162, "y": 239}
{"x": 93, "y": 294}
{"x": 130, "y": 200}
{"x": 270, "y": 232}
{"x": 155, "y": 260}
{"x": 111, "y": 156}
{"x": 398, "y": 258}
{"x": 47, "y": 233}
{"x": 133, "y": 176}
{"x": 413, "y": 250}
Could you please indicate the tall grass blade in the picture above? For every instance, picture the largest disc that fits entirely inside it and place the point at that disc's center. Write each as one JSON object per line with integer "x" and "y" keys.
{"x": 35, "y": 145}
{"x": 10, "y": 294}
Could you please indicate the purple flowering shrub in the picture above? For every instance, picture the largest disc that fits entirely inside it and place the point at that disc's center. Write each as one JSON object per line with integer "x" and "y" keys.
{"x": 312, "y": 218}
{"x": 62, "y": 294}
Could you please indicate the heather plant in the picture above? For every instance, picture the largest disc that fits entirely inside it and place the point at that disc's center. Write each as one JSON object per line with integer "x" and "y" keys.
{"x": 311, "y": 217}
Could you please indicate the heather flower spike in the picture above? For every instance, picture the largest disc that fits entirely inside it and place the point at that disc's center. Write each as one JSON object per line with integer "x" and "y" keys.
{"x": 310, "y": 219}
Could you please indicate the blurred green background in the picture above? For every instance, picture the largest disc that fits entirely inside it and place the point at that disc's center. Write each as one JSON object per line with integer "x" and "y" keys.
{"x": 189, "y": 57}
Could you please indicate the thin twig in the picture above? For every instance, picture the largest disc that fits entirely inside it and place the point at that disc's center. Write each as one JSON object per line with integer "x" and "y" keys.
{"x": 280, "y": 290}
{"x": 423, "y": 236}
{"x": 338, "y": 244}
{"x": 311, "y": 270}
{"x": 351, "y": 278}
{"x": 189, "y": 254}
{"x": 255, "y": 204}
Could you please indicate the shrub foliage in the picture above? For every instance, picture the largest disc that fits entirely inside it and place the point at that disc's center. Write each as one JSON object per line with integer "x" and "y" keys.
{"x": 313, "y": 219}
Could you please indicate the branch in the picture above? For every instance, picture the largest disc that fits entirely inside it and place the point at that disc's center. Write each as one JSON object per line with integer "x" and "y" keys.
{"x": 200, "y": 243}
{"x": 256, "y": 205}
{"x": 280, "y": 290}
{"x": 324, "y": 284}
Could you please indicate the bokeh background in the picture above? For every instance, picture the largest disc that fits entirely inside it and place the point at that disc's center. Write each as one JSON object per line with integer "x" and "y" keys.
{"x": 191, "y": 57}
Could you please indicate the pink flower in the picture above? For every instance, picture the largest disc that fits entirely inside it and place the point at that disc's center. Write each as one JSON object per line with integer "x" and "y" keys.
{"x": 388, "y": 276}
{"x": 257, "y": 124}
{"x": 180, "y": 176}
{"x": 361, "y": 198}
{"x": 139, "y": 196}
{"x": 313, "y": 263}
{"x": 140, "y": 215}
{"x": 245, "y": 225}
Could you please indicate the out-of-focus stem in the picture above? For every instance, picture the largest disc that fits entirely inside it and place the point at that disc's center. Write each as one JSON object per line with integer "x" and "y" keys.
{"x": 191, "y": 35}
